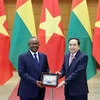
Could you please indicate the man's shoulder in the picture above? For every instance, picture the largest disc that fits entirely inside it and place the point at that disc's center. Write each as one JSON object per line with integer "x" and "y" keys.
{"x": 24, "y": 53}
{"x": 67, "y": 55}
{"x": 83, "y": 54}
{"x": 42, "y": 54}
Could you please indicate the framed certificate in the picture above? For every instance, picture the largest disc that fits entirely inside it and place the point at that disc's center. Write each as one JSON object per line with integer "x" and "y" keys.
{"x": 49, "y": 79}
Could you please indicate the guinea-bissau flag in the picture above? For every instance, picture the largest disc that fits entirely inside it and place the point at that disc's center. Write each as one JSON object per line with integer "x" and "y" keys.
{"x": 23, "y": 30}
{"x": 50, "y": 34}
{"x": 5, "y": 64}
{"x": 79, "y": 27}
{"x": 96, "y": 37}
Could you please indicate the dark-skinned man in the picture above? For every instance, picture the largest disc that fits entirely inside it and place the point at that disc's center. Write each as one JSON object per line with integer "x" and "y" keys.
{"x": 30, "y": 66}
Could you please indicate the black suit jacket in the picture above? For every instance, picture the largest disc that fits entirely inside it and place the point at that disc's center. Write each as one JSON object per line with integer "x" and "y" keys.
{"x": 29, "y": 74}
{"x": 75, "y": 74}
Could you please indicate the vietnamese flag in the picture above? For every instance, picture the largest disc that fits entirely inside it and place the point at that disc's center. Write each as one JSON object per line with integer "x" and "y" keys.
{"x": 96, "y": 37}
{"x": 51, "y": 36}
{"x": 5, "y": 65}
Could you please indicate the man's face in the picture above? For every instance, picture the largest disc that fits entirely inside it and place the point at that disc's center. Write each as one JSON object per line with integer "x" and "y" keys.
{"x": 73, "y": 46}
{"x": 33, "y": 44}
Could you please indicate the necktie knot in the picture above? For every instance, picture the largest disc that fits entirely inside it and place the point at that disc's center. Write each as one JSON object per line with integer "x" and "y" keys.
{"x": 35, "y": 55}
{"x": 72, "y": 56}
{"x": 36, "y": 59}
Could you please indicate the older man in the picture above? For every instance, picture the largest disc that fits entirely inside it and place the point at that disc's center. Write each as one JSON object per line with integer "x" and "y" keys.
{"x": 30, "y": 66}
{"x": 74, "y": 70}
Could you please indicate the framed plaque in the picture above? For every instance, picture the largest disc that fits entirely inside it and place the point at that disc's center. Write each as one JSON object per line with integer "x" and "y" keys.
{"x": 49, "y": 79}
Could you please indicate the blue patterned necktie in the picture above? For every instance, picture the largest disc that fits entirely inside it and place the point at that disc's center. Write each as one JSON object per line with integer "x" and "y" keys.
{"x": 36, "y": 60}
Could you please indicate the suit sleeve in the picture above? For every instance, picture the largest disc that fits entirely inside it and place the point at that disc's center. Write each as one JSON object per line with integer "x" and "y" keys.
{"x": 63, "y": 69}
{"x": 47, "y": 65}
{"x": 81, "y": 69}
{"x": 23, "y": 73}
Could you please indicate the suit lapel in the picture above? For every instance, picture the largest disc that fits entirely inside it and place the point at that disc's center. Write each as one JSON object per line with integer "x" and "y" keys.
{"x": 40, "y": 61}
{"x": 67, "y": 63}
{"x": 74, "y": 59}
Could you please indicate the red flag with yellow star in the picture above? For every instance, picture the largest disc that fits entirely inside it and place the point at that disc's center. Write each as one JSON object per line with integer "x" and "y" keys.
{"x": 96, "y": 37}
{"x": 5, "y": 65}
{"x": 51, "y": 36}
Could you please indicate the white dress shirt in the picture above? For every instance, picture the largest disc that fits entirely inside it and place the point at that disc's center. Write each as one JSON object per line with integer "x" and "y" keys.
{"x": 37, "y": 55}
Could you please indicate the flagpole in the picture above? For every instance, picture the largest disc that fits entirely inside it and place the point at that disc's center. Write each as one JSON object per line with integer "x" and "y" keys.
{"x": 51, "y": 93}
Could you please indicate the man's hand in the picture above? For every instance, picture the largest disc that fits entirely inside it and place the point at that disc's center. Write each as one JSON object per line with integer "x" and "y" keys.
{"x": 38, "y": 83}
{"x": 61, "y": 84}
{"x": 49, "y": 72}
{"x": 59, "y": 73}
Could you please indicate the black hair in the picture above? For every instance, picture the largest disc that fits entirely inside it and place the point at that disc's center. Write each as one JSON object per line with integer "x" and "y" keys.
{"x": 78, "y": 41}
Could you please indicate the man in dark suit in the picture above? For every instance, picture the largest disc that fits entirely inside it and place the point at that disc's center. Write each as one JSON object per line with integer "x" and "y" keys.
{"x": 74, "y": 70}
{"x": 30, "y": 66}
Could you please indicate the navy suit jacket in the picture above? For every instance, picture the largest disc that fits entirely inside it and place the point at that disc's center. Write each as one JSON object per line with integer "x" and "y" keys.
{"x": 29, "y": 74}
{"x": 75, "y": 74}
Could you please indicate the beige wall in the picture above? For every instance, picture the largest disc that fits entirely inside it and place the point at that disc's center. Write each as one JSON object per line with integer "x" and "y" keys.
{"x": 65, "y": 7}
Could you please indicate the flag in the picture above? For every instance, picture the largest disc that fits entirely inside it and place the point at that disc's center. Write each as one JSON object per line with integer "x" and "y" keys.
{"x": 79, "y": 27}
{"x": 23, "y": 30}
{"x": 5, "y": 64}
{"x": 96, "y": 37}
{"x": 50, "y": 34}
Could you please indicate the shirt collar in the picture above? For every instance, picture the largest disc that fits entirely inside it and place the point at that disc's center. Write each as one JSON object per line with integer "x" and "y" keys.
{"x": 33, "y": 52}
{"x": 73, "y": 54}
